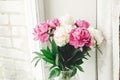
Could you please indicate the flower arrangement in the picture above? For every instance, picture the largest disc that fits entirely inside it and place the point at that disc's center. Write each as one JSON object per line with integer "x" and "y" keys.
{"x": 70, "y": 43}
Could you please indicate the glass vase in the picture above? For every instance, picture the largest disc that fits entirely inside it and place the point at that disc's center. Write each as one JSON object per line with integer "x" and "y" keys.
{"x": 66, "y": 75}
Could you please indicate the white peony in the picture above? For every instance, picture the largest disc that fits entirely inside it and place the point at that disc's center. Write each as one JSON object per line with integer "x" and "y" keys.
{"x": 96, "y": 36}
{"x": 66, "y": 20}
{"x": 61, "y": 35}
{"x": 68, "y": 28}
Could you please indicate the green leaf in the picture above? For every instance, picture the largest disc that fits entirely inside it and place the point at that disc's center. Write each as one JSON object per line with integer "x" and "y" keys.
{"x": 48, "y": 49}
{"x": 88, "y": 48}
{"x": 62, "y": 58}
{"x": 47, "y": 54}
{"x": 52, "y": 67}
{"x": 54, "y": 73}
{"x": 54, "y": 47}
{"x": 97, "y": 47}
{"x": 88, "y": 54}
{"x": 37, "y": 62}
{"x": 35, "y": 58}
{"x": 74, "y": 71}
{"x": 37, "y": 53}
{"x": 99, "y": 50}
{"x": 78, "y": 62}
{"x": 57, "y": 59}
{"x": 80, "y": 68}
{"x": 48, "y": 60}
{"x": 61, "y": 66}
{"x": 39, "y": 56}
{"x": 74, "y": 53}
{"x": 85, "y": 58}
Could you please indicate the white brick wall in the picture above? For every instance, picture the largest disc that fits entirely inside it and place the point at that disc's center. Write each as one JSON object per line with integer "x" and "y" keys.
{"x": 12, "y": 6}
{"x": 3, "y": 19}
{"x": 4, "y": 41}
{"x": 5, "y": 31}
{"x": 17, "y": 19}
{"x": 14, "y": 49}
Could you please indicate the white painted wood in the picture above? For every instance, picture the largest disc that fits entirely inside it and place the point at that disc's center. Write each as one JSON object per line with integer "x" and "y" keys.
{"x": 79, "y": 9}
{"x": 107, "y": 22}
{"x": 39, "y": 4}
{"x": 115, "y": 37}
{"x": 32, "y": 19}
{"x": 104, "y": 24}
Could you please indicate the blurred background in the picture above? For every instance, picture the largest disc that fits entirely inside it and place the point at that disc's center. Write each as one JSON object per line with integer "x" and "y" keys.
{"x": 15, "y": 62}
{"x": 17, "y": 19}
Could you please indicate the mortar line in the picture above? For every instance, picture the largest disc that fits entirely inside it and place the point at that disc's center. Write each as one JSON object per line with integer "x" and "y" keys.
{"x": 10, "y": 27}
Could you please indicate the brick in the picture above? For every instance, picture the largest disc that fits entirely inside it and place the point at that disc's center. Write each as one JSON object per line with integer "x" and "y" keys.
{"x": 19, "y": 65}
{"x": 17, "y": 20}
{"x": 20, "y": 44}
{"x": 23, "y": 72}
{"x": 7, "y": 63}
{"x": 3, "y": 19}
{"x": 11, "y": 6}
{"x": 7, "y": 69}
{"x": 1, "y": 72}
{"x": 5, "y": 42}
{"x": 19, "y": 31}
{"x": 24, "y": 75}
{"x": 13, "y": 53}
{"x": 5, "y": 31}
{"x": 9, "y": 74}
{"x": 14, "y": 70}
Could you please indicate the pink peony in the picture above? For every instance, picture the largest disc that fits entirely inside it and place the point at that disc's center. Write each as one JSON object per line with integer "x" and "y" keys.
{"x": 40, "y": 32}
{"x": 80, "y": 37}
{"x": 82, "y": 24}
{"x": 44, "y": 37}
{"x": 53, "y": 23}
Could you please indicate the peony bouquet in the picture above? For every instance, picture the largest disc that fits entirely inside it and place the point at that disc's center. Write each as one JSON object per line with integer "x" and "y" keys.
{"x": 70, "y": 43}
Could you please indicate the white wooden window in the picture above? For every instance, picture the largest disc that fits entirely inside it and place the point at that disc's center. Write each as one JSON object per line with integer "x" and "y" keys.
{"x": 32, "y": 18}
{"x": 102, "y": 14}
{"x": 108, "y": 22}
